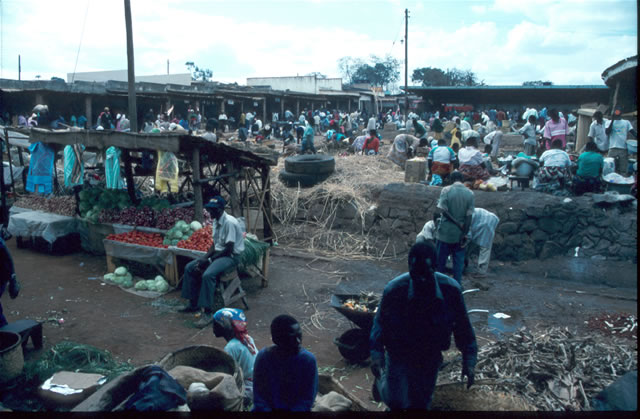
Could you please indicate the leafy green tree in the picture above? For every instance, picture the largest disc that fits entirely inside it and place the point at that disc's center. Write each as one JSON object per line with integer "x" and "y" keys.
{"x": 432, "y": 76}
{"x": 537, "y": 83}
{"x": 198, "y": 73}
{"x": 377, "y": 72}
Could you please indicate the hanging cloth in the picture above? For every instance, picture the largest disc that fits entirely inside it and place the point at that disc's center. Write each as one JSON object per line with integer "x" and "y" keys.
{"x": 40, "y": 176}
{"x": 73, "y": 165}
{"x": 167, "y": 172}
{"x": 112, "y": 168}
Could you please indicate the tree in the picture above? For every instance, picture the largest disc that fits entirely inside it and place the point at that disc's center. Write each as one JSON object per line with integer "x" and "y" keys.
{"x": 318, "y": 75}
{"x": 198, "y": 73}
{"x": 429, "y": 76}
{"x": 379, "y": 72}
{"x": 537, "y": 83}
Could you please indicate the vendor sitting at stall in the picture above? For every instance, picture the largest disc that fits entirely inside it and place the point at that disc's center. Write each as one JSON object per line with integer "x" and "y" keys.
{"x": 588, "y": 176}
{"x": 231, "y": 324}
{"x": 441, "y": 160}
{"x": 471, "y": 162}
{"x": 554, "y": 176}
{"x": 202, "y": 275}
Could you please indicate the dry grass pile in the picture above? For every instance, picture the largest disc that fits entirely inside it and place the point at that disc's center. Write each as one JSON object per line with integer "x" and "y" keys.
{"x": 552, "y": 369}
{"x": 353, "y": 183}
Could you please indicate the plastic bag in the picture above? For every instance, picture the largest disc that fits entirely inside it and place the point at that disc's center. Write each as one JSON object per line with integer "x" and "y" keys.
{"x": 167, "y": 172}
{"x": 73, "y": 165}
{"x": 112, "y": 168}
{"x": 40, "y": 177}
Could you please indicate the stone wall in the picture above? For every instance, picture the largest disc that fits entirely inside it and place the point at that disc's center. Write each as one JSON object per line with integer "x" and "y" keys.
{"x": 532, "y": 225}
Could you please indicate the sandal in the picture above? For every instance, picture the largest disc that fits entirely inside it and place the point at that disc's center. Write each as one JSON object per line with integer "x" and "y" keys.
{"x": 204, "y": 321}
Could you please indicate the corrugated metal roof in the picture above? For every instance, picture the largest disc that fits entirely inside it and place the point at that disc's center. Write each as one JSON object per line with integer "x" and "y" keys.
{"x": 552, "y": 87}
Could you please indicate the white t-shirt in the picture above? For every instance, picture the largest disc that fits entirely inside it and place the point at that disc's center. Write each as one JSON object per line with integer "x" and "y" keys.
{"x": 597, "y": 132}
{"x": 470, "y": 156}
{"x": 442, "y": 154}
{"x": 555, "y": 158}
{"x": 228, "y": 229}
{"x": 618, "y": 137}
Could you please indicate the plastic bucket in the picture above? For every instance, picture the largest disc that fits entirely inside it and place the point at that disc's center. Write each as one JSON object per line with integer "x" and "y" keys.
{"x": 632, "y": 146}
{"x": 11, "y": 358}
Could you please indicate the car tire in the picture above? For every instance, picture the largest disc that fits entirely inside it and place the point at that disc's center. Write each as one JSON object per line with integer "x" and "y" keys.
{"x": 310, "y": 164}
{"x": 301, "y": 179}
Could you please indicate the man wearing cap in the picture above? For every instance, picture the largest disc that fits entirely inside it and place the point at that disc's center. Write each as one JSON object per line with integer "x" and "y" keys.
{"x": 201, "y": 275}
{"x": 617, "y": 130}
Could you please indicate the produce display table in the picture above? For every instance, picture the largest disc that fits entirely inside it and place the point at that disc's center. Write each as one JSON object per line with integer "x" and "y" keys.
{"x": 47, "y": 232}
{"x": 160, "y": 258}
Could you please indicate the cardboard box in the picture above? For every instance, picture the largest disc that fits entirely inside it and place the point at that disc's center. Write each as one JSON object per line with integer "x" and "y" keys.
{"x": 67, "y": 389}
{"x": 415, "y": 170}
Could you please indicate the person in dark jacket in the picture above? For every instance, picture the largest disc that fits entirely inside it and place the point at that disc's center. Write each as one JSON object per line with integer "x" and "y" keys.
{"x": 7, "y": 276}
{"x": 418, "y": 313}
{"x": 285, "y": 375}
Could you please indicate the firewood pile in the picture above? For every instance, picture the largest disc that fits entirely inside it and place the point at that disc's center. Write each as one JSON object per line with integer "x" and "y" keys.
{"x": 553, "y": 369}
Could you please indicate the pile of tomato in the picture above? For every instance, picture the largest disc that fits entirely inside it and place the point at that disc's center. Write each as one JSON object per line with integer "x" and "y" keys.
{"x": 140, "y": 238}
{"x": 201, "y": 240}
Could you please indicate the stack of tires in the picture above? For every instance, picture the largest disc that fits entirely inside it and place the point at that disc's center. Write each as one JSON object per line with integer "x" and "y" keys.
{"x": 307, "y": 169}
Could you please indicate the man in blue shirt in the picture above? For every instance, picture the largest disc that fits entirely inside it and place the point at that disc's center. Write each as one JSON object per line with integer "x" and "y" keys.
{"x": 418, "y": 313}
{"x": 285, "y": 376}
{"x": 307, "y": 138}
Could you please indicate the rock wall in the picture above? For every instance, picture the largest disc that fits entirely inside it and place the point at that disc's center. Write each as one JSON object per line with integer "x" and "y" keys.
{"x": 532, "y": 225}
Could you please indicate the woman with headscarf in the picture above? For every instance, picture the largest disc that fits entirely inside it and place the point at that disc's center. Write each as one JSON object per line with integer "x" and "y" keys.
{"x": 403, "y": 148}
{"x": 231, "y": 324}
{"x": 554, "y": 177}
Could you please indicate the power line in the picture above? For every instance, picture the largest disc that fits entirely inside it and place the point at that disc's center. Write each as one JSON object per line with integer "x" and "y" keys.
{"x": 86, "y": 12}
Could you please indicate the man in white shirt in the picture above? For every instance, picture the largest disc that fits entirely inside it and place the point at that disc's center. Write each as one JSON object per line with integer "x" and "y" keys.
{"x": 201, "y": 275}
{"x": 481, "y": 232}
{"x": 617, "y": 130}
{"x": 494, "y": 139}
{"x": 530, "y": 136}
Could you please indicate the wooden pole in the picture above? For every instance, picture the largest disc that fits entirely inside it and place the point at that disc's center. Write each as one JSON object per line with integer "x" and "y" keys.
{"x": 236, "y": 211}
{"x": 133, "y": 112}
{"x": 128, "y": 173}
{"x": 406, "y": 64}
{"x": 197, "y": 186}
{"x": 266, "y": 213}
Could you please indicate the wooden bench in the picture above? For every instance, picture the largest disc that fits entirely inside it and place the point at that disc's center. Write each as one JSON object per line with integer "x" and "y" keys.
{"x": 230, "y": 288}
{"x": 523, "y": 181}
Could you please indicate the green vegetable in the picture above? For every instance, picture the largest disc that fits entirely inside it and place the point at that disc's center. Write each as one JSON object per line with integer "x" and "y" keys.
{"x": 195, "y": 226}
{"x": 83, "y": 195}
{"x": 158, "y": 278}
{"x": 174, "y": 242}
{"x": 109, "y": 277}
{"x": 177, "y": 235}
{"x": 141, "y": 285}
{"x": 181, "y": 224}
{"x": 121, "y": 271}
{"x": 152, "y": 287}
{"x": 162, "y": 286}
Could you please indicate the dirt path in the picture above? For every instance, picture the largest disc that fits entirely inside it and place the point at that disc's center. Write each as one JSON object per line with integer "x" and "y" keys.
{"x": 143, "y": 330}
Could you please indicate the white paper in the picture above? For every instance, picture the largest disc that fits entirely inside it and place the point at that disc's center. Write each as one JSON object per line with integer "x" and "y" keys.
{"x": 501, "y": 316}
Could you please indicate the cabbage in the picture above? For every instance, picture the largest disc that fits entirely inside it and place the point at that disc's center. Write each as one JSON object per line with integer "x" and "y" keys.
{"x": 174, "y": 242}
{"x": 127, "y": 283}
{"x": 195, "y": 225}
{"x": 141, "y": 285}
{"x": 118, "y": 279}
{"x": 158, "y": 278}
{"x": 185, "y": 228}
{"x": 180, "y": 224}
{"x": 177, "y": 235}
{"x": 121, "y": 271}
{"x": 127, "y": 278}
{"x": 109, "y": 277}
{"x": 152, "y": 287}
{"x": 162, "y": 286}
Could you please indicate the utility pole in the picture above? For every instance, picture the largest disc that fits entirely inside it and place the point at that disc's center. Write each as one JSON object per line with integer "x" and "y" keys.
{"x": 406, "y": 65}
{"x": 19, "y": 67}
{"x": 167, "y": 66}
{"x": 133, "y": 113}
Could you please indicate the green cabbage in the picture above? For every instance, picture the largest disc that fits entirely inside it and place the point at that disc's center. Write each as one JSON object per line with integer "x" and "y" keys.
{"x": 195, "y": 226}
{"x": 121, "y": 271}
{"x": 141, "y": 285}
{"x": 158, "y": 278}
{"x": 109, "y": 277}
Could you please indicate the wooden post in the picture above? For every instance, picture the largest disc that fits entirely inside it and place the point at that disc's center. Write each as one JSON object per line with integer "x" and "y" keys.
{"x": 236, "y": 211}
{"x": 264, "y": 111}
{"x": 197, "y": 187}
{"x": 6, "y": 137}
{"x": 128, "y": 173}
{"x": 615, "y": 97}
{"x": 297, "y": 108}
{"x": 584, "y": 121}
{"x": 281, "y": 116}
{"x": 88, "y": 111}
{"x": 133, "y": 109}
{"x": 266, "y": 211}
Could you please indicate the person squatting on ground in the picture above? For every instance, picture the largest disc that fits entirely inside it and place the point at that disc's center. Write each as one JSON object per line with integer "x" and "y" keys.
{"x": 231, "y": 324}
{"x": 456, "y": 203}
{"x": 588, "y": 176}
{"x": 554, "y": 176}
{"x": 481, "y": 233}
{"x": 617, "y": 132}
{"x": 472, "y": 162}
{"x": 405, "y": 363}
{"x": 285, "y": 375}
{"x": 7, "y": 275}
{"x": 371, "y": 144}
{"x": 441, "y": 160}
{"x": 202, "y": 275}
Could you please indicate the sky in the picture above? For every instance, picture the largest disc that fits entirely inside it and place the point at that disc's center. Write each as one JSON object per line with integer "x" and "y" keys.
{"x": 504, "y": 42}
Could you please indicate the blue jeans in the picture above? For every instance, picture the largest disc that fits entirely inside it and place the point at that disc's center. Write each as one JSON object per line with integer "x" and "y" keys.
{"x": 200, "y": 289}
{"x": 443, "y": 250}
{"x": 307, "y": 145}
{"x": 406, "y": 384}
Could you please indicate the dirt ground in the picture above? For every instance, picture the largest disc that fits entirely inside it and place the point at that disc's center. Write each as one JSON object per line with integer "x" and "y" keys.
{"x": 66, "y": 292}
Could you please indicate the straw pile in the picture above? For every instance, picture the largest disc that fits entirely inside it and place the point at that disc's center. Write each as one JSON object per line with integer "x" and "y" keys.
{"x": 552, "y": 369}
{"x": 354, "y": 182}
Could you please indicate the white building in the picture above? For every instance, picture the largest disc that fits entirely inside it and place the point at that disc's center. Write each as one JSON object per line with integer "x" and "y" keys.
{"x": 183, "y": 79}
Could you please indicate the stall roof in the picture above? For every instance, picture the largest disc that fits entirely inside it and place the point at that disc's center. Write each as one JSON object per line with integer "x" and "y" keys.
{"x": 173, "y": 142}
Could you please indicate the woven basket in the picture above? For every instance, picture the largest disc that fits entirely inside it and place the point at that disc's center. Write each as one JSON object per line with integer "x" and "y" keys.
{"x": 11, "y": 358}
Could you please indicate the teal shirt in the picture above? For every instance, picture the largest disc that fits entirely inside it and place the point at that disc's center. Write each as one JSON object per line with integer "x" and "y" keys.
{"x": 243, "y": 357}
{"x": 459, "y": 201}
{"x": 590, "y": 164}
